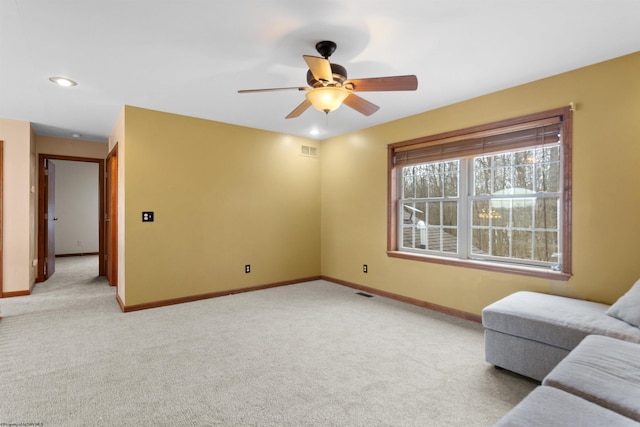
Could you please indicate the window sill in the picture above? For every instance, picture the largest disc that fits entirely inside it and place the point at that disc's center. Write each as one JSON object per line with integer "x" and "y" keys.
{"x": 479, "y": 265}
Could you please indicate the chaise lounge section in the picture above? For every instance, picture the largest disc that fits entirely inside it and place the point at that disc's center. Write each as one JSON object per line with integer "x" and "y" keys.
{"x": 529, "y": 333}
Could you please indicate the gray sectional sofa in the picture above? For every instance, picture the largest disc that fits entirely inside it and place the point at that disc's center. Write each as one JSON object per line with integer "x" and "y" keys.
{"x": 530, "y": 333}
{"x": 586, "y": 355}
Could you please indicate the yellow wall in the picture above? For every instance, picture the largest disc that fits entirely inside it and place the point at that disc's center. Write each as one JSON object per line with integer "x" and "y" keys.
{"x": 606, "y": 192}
{"x": 223, "y": 196}
{"x": 18, "y": 206}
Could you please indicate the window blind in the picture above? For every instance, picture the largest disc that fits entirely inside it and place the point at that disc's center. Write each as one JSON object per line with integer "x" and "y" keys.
{"x": 536, "y": 133}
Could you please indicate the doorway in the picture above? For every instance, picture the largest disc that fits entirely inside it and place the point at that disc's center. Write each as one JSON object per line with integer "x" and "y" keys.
{"x": 47, "y": 218}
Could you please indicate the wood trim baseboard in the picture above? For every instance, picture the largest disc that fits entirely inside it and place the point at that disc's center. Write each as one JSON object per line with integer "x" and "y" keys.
{"x": 413, "y": 301}
{"x": 162, "y": 303}
{"x": 16, "y": 294}
{"x": 408, "y": 300}
{"x": 121, "y": 303}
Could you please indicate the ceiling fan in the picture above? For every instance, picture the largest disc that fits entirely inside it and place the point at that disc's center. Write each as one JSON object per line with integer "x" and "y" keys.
{"x": 329, "y": 88}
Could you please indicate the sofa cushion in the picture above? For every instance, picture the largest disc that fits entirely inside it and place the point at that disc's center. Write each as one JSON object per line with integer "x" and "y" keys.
{"x": 547, "y": 406}
{"x": 554, "y": 320}
{"x": 603, "y": 370}
{"x": 627, "y": 308}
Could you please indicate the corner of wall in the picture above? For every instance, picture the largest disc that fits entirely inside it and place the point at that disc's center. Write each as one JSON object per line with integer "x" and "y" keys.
{"x": 33, "y": 229}
{"x": 18, "y": 222}
{"x": 117, "y": 137}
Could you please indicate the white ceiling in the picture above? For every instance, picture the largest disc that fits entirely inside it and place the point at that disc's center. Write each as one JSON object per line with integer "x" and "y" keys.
{"x": 191, "y": 56}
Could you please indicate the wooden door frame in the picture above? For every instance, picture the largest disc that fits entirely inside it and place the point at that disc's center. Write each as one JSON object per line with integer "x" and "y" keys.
{"x": 111, "y": 261}
{"x": 42, "y": 158}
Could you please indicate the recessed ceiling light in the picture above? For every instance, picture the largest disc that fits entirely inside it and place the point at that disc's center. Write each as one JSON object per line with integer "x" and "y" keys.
{"x": 76, "y": 135}
{"x": 314, "y": 132}
{"x": 62, "y": 81}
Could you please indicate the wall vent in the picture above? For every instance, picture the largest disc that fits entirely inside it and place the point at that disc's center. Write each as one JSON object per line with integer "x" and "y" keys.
{"x": 309, "y": 151}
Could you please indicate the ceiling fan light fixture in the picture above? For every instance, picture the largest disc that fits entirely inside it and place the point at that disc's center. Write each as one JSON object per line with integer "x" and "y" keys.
{"x": 327, "y": 98}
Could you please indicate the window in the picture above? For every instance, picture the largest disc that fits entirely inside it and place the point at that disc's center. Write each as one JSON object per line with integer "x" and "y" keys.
{"x": 494, "y": 197}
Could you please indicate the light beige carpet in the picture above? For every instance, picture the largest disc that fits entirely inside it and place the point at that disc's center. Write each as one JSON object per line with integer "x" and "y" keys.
{"x": 312, "y": 354}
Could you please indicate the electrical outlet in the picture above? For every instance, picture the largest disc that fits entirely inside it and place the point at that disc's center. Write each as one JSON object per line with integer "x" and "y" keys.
{"x": 365, "y": 269}
{"x": 147, "y": 216}
{"x": 247, "y": 268}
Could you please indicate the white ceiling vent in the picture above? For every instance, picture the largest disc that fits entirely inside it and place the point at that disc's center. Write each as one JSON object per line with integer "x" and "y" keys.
{"x": 309, "y": 151}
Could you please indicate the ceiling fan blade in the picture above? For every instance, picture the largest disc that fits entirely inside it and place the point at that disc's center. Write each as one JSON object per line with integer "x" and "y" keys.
{"x": 409, "y": 82}
{"x": 299, "y": 109}
{"x": 320, "y": 68}
{"x": 300, "y": 88}
{"x": 361, "y": 105}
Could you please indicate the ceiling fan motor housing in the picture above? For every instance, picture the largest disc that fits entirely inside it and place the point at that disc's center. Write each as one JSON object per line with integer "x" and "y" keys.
{"x": 339, "y": 76}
